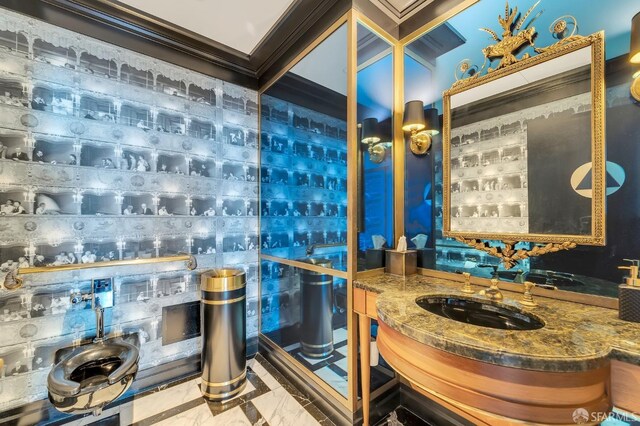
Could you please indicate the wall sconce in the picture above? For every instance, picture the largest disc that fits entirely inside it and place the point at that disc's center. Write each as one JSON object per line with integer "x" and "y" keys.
{"x": 371, "y": 137}
{"x": 423, "y": 125}
{"x": 634, "y": 55}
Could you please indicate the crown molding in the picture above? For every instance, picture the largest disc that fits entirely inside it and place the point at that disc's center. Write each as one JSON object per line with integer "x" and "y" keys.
{"x": 120, "y": 24}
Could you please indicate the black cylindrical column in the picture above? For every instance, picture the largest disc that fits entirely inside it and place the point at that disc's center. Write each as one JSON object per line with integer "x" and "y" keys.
{"x": 224, "y": 343}
{"x": 316, "y": 331}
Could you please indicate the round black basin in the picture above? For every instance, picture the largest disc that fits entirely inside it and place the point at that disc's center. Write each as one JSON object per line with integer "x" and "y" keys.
{"x": 479, "y": 313}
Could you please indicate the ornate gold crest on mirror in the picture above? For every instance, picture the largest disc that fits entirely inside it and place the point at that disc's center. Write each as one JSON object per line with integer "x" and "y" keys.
{"x": 524, "y": 149}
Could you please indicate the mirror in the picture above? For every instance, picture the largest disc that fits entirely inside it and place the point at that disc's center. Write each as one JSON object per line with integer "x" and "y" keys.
{"x": 303, "y": 150}
{"x": 303, "y": 212}
{"x": 375, "y": 168}
{"x": 430, "y": 61}
{"x": 524, "y": 149}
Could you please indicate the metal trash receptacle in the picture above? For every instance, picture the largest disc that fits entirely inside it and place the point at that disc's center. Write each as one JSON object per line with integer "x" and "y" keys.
{"x": 316, "y": 323}
{"x": 224, "y": 326}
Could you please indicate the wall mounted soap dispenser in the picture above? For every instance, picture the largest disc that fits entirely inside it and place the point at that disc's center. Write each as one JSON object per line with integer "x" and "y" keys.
{"x": 629, "y": 293}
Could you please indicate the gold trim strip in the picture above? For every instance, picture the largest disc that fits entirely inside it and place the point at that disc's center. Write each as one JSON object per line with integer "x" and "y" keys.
{"x": 399, "y": 147}
{"x": 223, "y": 302}
{"x": 316, "y": 346}
{"x": 221, "y": 280}
{"x": 353, "y": 147}
{"x": 304, "y": 265}
{"x": 226, "y": 394}
{"x": 228, "y": 382}
{"x": 318, "y": 356}
{"x": 78, "y": 266}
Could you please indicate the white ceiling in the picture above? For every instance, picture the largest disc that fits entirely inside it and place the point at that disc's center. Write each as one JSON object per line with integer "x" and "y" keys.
{"x": 240, "y": 24}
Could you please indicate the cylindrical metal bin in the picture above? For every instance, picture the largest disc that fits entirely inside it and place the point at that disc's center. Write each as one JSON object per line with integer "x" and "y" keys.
{"x": 316, "y": 330}
{"x": 224, "y": 342}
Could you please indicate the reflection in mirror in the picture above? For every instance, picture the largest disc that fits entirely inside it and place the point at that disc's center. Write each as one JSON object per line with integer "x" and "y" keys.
{"x": 375, "y": 168}
{"x": 303, "y": 211}
{"x": 304, "y": 158}
{"x": 512, "y": 142}
{"x": 430, "y": 62}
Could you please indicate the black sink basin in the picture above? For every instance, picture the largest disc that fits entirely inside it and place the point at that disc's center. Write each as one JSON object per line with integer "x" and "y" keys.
{"x": 479, "y": 313}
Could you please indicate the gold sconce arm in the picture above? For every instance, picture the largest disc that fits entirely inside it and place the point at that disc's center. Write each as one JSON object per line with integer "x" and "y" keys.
{"x": 420, "y": 142}
{"x": 635, "y": 86}
{"x": 13, "y": 280}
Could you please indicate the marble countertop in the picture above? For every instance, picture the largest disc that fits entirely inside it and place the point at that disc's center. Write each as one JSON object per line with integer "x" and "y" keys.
{"x": 575, "y": 337}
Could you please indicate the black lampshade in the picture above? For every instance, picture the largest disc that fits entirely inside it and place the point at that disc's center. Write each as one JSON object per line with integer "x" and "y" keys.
{"x": 634, "y": 53}
{"x": 413, "y": 116}
{"x": 370, "y": 130}
{"x": 432, "y": 121}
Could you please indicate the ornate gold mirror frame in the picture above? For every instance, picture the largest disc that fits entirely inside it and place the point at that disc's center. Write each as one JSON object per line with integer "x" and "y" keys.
{"x": 506, "y": 48}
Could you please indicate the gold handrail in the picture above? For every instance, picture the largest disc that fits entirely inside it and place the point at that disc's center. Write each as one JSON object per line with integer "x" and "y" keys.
{"x": 191, "y": 264}
{"x": 13, "y": 280}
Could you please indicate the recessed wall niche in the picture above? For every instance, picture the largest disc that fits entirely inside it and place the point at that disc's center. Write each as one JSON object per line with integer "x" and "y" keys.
{"x": 112, "y": 155}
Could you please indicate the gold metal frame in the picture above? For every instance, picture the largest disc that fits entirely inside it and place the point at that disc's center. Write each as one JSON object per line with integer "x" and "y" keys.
{"x": 597, "y": 237}
{"x": 352, "y": 18}
{"x": 223, "y": 280}
{"x": 346, "y": 19}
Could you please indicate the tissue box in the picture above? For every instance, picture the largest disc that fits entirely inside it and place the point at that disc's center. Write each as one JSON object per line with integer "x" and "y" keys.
{"x": 629, "y": 302}
{"x": 374, "y": 258}
{"x": 401, "y": 262}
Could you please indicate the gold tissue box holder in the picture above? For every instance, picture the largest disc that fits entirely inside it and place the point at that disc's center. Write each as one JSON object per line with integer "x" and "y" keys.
{"x": 401, "y": 262}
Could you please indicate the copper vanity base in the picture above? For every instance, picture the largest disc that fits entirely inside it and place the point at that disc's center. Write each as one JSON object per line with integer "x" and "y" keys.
{"x": 494, "y": 395}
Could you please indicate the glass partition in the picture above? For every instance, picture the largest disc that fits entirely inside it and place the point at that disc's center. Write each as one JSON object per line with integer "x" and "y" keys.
{"x": 303, "y": 212}
{"x": 430, "y": 63}
{"x": 375, "y": 135}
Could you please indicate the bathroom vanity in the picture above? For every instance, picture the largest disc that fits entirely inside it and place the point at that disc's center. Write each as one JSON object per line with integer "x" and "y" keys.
{"x": 583, "y": 356}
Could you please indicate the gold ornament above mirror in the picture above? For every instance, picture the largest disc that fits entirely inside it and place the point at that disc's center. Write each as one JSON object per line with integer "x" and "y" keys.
{"x": 523, "y": 142}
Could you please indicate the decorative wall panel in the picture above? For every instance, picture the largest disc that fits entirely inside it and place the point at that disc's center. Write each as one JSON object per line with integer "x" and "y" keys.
{"x": 107, "y": 154}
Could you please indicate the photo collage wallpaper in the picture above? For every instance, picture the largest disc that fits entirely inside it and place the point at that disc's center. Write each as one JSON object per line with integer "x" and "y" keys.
{"x": 107, "y": 154}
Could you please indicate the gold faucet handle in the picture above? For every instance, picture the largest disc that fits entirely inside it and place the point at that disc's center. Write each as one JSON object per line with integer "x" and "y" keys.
{"x": 632, "y": 279}
{"x": 466, "y": 288}
{"x": 527, "y": 297}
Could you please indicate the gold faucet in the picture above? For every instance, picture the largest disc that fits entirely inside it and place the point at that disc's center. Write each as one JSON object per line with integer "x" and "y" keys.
{"x": 466, "y": 288}
{"x": 493, "y": 292}
{"x": 632, "y": 280}
{"x": 527, "y": 297}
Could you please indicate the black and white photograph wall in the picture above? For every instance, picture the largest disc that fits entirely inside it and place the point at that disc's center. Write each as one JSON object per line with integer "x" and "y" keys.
{"x": 106, "y": 155}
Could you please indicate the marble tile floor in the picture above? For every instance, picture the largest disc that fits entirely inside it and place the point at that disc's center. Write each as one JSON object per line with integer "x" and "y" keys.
{"x": 268, "y": 399}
